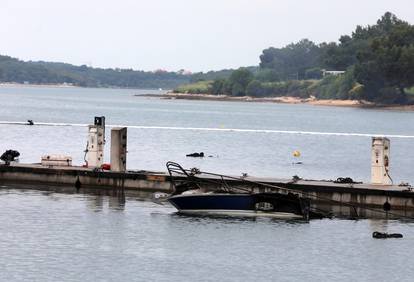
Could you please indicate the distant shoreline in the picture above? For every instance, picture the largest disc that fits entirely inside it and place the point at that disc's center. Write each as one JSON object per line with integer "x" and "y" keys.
{"x": 15, "y": 84}
{"x": 282, "y": 100}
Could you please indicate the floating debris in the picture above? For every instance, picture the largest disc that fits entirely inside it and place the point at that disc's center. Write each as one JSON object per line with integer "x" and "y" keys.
{"x": 196, "y": 155}
{"x": 383, "y": 235}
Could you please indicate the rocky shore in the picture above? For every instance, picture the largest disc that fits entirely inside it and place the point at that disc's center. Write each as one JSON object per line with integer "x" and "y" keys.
{"x": 283, "y": 100}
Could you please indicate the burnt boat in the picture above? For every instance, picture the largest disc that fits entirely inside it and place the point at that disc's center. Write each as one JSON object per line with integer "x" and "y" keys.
{"x": 243, "y": 204}
{"x": 197, "y": 195}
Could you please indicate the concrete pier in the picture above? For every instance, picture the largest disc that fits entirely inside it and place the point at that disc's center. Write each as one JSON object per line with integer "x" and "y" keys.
{"x": 80, "y": 177}
{"x": 400, "y": 198}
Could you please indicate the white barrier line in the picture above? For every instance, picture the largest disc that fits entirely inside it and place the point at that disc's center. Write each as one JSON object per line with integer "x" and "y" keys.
{"x": 43, "y": 123}
{"x": 221, "y": 129}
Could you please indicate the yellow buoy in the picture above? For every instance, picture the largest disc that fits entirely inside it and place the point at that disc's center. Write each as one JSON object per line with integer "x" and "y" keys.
{"x": 296, "y": 154}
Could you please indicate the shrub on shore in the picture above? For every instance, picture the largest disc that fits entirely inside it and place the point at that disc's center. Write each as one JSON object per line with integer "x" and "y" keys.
{"x": 321, "y": 89}
{"x": 199, "y": 87}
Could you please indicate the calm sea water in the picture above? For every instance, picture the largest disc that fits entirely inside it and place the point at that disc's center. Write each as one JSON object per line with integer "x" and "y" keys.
{"x": 260, "y": 154}
{"x": 49, "y": 236}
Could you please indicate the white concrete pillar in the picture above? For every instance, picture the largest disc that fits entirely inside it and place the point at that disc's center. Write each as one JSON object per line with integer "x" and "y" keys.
{"x": 380, "y": 161}
{"x": 96, "y": 143}
{"x": 118, "y": 148}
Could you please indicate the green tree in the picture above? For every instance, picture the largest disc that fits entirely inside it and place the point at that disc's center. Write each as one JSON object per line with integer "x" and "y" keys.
{"x": 267, "y": 75}
{"x": 292, "y": 61}
{"x": 255, "y": 89}
{"x": 238, "y": 81}
{"x": 217, "y": 87}
{"x": 386, "y": 68}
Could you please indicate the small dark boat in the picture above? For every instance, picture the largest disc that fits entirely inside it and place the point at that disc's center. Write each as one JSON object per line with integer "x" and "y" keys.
{"x": 195, "y": 194}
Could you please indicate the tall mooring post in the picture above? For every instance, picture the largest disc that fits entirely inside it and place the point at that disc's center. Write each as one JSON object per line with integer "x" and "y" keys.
{"x": 96, "y": 143}
{"x": 380, "y": 161}
{"x": 118, "y": 148}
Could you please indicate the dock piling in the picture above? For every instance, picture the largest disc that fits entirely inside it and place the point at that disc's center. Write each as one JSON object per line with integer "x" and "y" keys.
{"x": 380, "y": 161}
{"x": 118, "y": 149}
{"x": 96, "y": 143}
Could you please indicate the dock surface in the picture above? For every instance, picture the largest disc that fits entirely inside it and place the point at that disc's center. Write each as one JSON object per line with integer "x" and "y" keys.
{"x": 400, "y": 198}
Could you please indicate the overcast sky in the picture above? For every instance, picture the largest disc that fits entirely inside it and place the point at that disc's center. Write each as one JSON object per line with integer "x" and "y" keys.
{"x": 196, "y": 35}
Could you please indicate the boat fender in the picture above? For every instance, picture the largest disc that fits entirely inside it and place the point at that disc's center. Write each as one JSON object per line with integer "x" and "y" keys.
{"x": 78, "y": 184}
{"x": 106, "y": 166}
{"x": 386, "y": 206}
{"x": 159, "y": 197}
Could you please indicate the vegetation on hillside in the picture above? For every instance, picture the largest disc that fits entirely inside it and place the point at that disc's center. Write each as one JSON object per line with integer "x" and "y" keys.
{"x": 14, "y": 70}
{"x": 378, "y": 61}
{"x": 221, "y": 74}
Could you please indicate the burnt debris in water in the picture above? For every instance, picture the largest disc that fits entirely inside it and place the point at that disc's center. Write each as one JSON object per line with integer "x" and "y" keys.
{"x": 383, "y": 235}
{"x": 196, "y": 155}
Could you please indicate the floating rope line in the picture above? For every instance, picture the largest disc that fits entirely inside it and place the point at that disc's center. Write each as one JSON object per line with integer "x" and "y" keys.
{"x": 241, "y": 130}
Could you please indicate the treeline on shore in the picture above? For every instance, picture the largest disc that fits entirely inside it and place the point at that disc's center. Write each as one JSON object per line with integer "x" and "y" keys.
{"x": 374, "y": 63}
{"x": 13, "y": 70}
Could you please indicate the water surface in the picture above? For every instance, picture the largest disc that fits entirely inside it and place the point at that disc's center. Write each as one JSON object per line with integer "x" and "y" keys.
{"x": 260, "y": 154}
{"x": 75, "y": 237}
{"x": 47, "y": 236}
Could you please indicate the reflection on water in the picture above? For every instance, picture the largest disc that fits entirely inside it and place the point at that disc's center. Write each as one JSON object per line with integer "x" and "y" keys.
{"x": 222, "y": 219}
{"x": 97, "y": 202}
{"x": 116, "y": 202}
{"x": 353, "y": 212}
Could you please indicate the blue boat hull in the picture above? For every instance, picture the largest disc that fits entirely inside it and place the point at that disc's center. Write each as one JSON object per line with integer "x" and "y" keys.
{"x": 261, "y": 204}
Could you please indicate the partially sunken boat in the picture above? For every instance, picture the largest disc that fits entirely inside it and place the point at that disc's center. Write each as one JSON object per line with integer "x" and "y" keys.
{"x": 255, "y": 204}
{"x": 197, "y": 195}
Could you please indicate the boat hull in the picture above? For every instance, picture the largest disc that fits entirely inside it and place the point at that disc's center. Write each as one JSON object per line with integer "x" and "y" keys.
{"x": 246, "y": 205}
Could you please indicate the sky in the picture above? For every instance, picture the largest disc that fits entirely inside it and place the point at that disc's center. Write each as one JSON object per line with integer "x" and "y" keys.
{"x": 196, "y": 35}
